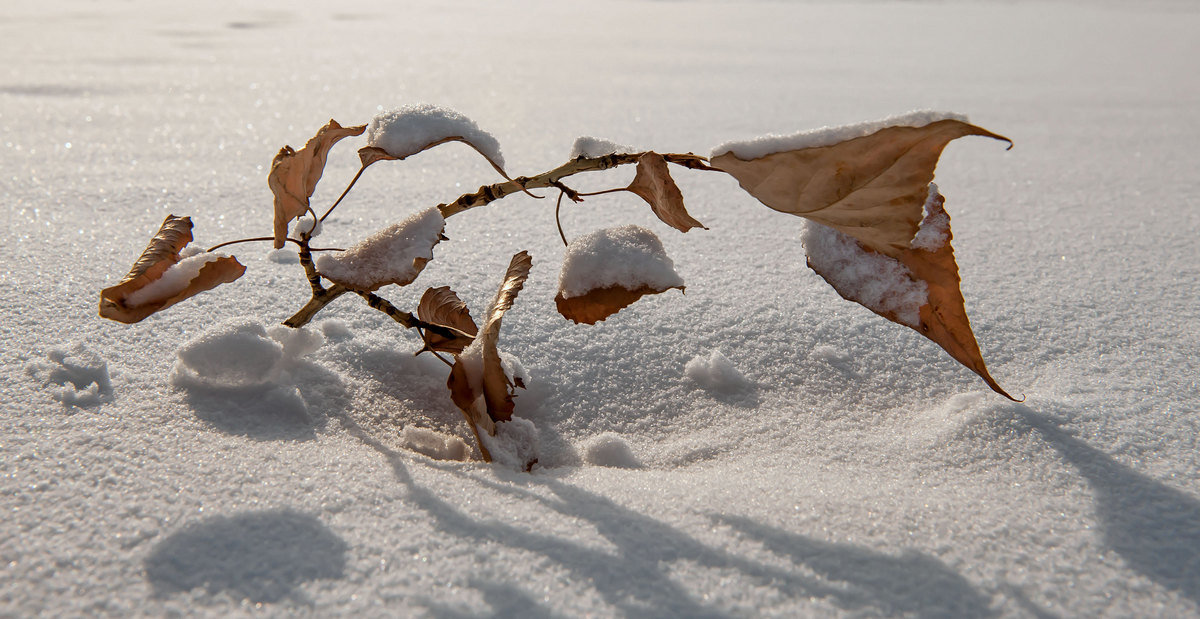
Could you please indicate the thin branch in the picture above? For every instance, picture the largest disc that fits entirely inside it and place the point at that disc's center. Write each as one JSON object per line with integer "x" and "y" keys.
{"x": 257, "y": 239}
{"x": 557, "y": 220}
{"x": 344, "y": 192}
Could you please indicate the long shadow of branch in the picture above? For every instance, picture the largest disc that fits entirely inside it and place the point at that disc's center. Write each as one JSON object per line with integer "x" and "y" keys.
{"x": 1154, "y": 527}
{"x": 635, "y": 579}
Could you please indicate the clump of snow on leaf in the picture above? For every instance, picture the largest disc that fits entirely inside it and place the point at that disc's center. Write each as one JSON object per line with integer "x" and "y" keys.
{"x": 174, "y": 279}
{"x": 629, "y": 256}
{"x": 241, "y": 355}
{"x": 409, "y": 129}
{"x": 934, "y": 232}
{"x": 715, "y": 373}
{"x": 590, "y": 147}
{"x": 395, "y": 254}
{"x": 878, "y": 282}
{"x": 828, "y": 136}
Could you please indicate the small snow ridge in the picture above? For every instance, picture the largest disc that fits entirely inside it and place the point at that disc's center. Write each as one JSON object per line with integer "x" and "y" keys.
{"x": 395, "y": 254}
{"x": 627, "y": 256}
{"x": 434, "y": 444}
{"x": 75, "y": 376}
{"x": 515, "y": 444}
{"x": 284, "y": 255}
{"x": 610, "y": 449}
{"x": 591, "y": 148}
{"x": 716, "y": 374}
{"x": 409, "y": 129}
{"x": 828, "y": 136}
{"x": 336, "y": 330}
{"x": 878, "y": 282}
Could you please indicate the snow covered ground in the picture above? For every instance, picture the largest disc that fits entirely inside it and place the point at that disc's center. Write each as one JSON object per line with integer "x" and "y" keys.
{"x": 757, "y": 446}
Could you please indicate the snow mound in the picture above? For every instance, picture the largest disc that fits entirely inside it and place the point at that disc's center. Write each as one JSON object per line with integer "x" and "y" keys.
{"x": 75, "y": 376}
{"x": 590, "y": 147}
{"x": 395, "y": 254}
{"x": 283, "y": 255}
{"x": 611, "y": 450}
{"x": 628, "y": 256}
{"x": 241, "y": 355}
{"x": 434, "y": 444}
{"x": 715, "y": 373}
{"x": 336, "y": 330}
{"x": 827, "y": 136}
{"x": 409, "y": 129}
{"x": 515, "y": 444}
{"x": 874, "y": 280}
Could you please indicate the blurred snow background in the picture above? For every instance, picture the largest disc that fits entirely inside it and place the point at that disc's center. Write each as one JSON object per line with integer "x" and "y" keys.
{"x": 755, "y": 447}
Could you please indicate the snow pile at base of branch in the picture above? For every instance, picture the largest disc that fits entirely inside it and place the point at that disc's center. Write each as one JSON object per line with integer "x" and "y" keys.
{"x": 878, "y": 282}
{"x": 628, "y": 256}
{"x": 174, "y": 279}
{"x": 410, "y": 129}
{"x": 609, "y": 449}
{"x": 590, "y": 147}
{"x": 515, "y": 444}
{"x": 827, "y": 136}
{"x": 395, "y": 254}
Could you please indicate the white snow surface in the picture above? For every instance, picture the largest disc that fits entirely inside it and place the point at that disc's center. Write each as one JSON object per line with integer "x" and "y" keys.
{"x": 393, "y": 254}
{"x": 755, "y": 148}
{"x": 863, "y": 474}
{"x": 627, "y": 256}
{"x": 410, "y": 129}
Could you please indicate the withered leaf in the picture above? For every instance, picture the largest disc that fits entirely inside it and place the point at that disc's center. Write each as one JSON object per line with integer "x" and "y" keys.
{"x": 601, "y": 303}
{"x": 134, "y": 298}
{"x": 442, "y": 307}
{"x": 478, "y": 370}
{"x": 653, "y": 183}
{"x": 371, "y": 154}
{"x": 295, "y": 173}
{"x": 943, "y": 317}
{"x": 871, "y": 188}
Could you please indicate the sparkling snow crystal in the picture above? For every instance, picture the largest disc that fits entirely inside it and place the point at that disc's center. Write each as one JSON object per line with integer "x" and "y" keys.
{"x": 410, "y": 129}
{"x": 628, "y": 256}
{"x": 827, "y": 136}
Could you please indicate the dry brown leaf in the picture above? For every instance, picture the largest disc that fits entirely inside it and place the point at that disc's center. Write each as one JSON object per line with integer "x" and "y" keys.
{"x": 943, "y": 318}
{"x": 478, "y": 370}
{"x": 370, "y": 154}
{"x": 601, "y": 303}
{"x": 295, "y": 173}
{"x": 871, "y": 188}
{"x": 653, "y": 183}
{"x": 442, "y": 307}
{"x": 160, "y": 255}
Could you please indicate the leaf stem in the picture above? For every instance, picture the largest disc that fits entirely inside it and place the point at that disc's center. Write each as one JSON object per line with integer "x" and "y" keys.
{"x": 344, "y": 192}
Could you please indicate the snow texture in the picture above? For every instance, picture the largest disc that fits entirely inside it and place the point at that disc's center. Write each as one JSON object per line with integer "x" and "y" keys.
{"x": 715, "y": 373}
{"x": 879, "y": 282}
{"x": 173, "y": 280}
{"x": 590, "y": 147}
{"x": 866, "y": 474}
{"x": 934, "y": 230}
{"x": 410, "y": 129}
{"x": 515, "y": 444}
{"x": 395, "y": 254}
{"x": 827, "y": 136}
{"x": 628, "y": 256}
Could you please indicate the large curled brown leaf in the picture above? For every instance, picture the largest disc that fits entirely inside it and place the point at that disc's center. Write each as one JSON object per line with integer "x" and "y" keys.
{"x": 441, "y": 306}
{"x": 943, "y": 318}
{"x": 494, "y": 384}
{"x": 295, "y": 173}
{"x": 871, "y": 188}
{"x": 371, "y": 154}
{"x": 161, "y": 254}
{"x": 653, "y": 183}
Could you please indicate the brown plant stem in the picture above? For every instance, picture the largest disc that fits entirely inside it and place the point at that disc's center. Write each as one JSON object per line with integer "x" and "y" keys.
{"x": 314, "y": 305}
